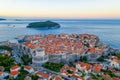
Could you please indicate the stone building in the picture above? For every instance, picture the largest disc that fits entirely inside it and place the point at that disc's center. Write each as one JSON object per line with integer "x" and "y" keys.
{"x": 39, "y": 57}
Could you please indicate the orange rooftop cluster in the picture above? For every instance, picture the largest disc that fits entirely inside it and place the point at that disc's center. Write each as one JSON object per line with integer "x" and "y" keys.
{"x": 64, "y": 43}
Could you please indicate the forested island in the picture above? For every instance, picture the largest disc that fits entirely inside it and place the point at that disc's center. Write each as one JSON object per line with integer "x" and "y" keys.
{"x": 2, "y": 19}
{"x": 44, "y": 25}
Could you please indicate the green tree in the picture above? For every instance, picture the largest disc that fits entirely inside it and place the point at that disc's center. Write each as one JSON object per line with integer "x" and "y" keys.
{"x": 12, "y": 78}
{"x": 118, "y": 55}
{"x": 100, "y": 78}
{"x": 6, "y": 61}
{"x": 71, "y": 64}
{"x": 53, "y": 66}
{"x": 70, "y": 72}
{"x": 85, "y": 59}
{"x": 34, "y": 77}
{"x": 6, "y": 48}
{"x": 21, "y": 76}
{"x": 101, "y": 59}
{"x": 83, "y": 75}
{"x": 26, "y": 59}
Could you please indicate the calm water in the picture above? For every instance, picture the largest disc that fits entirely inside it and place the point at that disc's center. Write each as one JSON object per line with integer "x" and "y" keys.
{"x": 107, "y": 30}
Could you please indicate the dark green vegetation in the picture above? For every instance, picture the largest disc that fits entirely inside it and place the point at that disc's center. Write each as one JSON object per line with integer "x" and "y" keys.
{"x": 26, "y": 59}
{"x": 2, "y": 19}
{"x": 86, "y": 44}
{"x": 22, "y": 74}
{"x": 70, "y": 72}
{"x": 44, "y": 25}
{"x": 83, "y": 75}
{"x": 71, "y": 64}
{"x": 96, "y": 76}
{"x": 118, "y": 55}
{"x": 53, "y": 66}
{"x": 6, "y": 61}
{"x": 101, "y": 59}
{"x": 83, "y": 59}
{"x": 6, "y": 48}
{"x": 109, "y": 72}
{"x": 34, "y": 77}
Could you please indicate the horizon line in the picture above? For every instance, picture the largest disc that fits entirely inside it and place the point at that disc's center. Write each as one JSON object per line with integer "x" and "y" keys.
{"x": 60, "y": 17}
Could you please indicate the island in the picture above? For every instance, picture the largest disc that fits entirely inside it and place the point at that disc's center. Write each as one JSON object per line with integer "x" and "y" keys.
{"x": 2, "y": 19}
{"x": 44, "y": 25}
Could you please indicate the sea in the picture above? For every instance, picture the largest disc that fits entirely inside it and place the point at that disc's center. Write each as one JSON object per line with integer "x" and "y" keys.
{"x": 108, "y": 30}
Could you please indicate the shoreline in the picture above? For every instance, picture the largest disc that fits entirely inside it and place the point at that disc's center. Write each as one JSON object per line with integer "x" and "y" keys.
{"x": 16, "y": 40}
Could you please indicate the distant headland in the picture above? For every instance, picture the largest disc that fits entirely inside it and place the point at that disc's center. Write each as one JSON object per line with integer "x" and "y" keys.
{"x": 44, "y": 25}
{"x": 2, "y": 19}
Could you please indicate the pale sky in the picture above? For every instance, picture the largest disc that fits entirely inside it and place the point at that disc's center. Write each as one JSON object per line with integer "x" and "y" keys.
{"x": 61, "y": 8}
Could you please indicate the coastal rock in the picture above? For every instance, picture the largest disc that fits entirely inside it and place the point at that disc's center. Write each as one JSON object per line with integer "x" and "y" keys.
{"x": 2, "y": 19}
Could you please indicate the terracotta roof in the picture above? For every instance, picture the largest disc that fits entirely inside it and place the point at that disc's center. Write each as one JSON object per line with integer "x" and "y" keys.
{"x": 28, "y": 67}
{"x": 72, "y": 68}
{"x": 39, "y": 79}
{"x": 15, "y": 67}
{"x": 66, "y": 67}
{"x": 1, "y": 73}
{"x": 13, "y": 73}
{"x": 88, "y": 67}
{"x": 27, "y": 78}
{"x": 8, "y": 53}
{"x": 82, "y": 64}
{"x": 53, "y": 43}
{"x": 33, "y": 46}
{"x": 58, "y": 78}
{"x": 92, "y": 50}
{"x": 77, "y": 76}
{"x": 64, "y": 71}
{"x": 97, "y": 67}
{"x": 116, "y": 60}
{"x": 45, "y": 75}
{"x": 116, "y": 78}
{"x": 53, "y": 76}
{"x": 27, "y": 43}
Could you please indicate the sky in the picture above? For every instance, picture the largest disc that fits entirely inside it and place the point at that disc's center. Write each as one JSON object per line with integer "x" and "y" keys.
{"x": 60, "y": 8}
